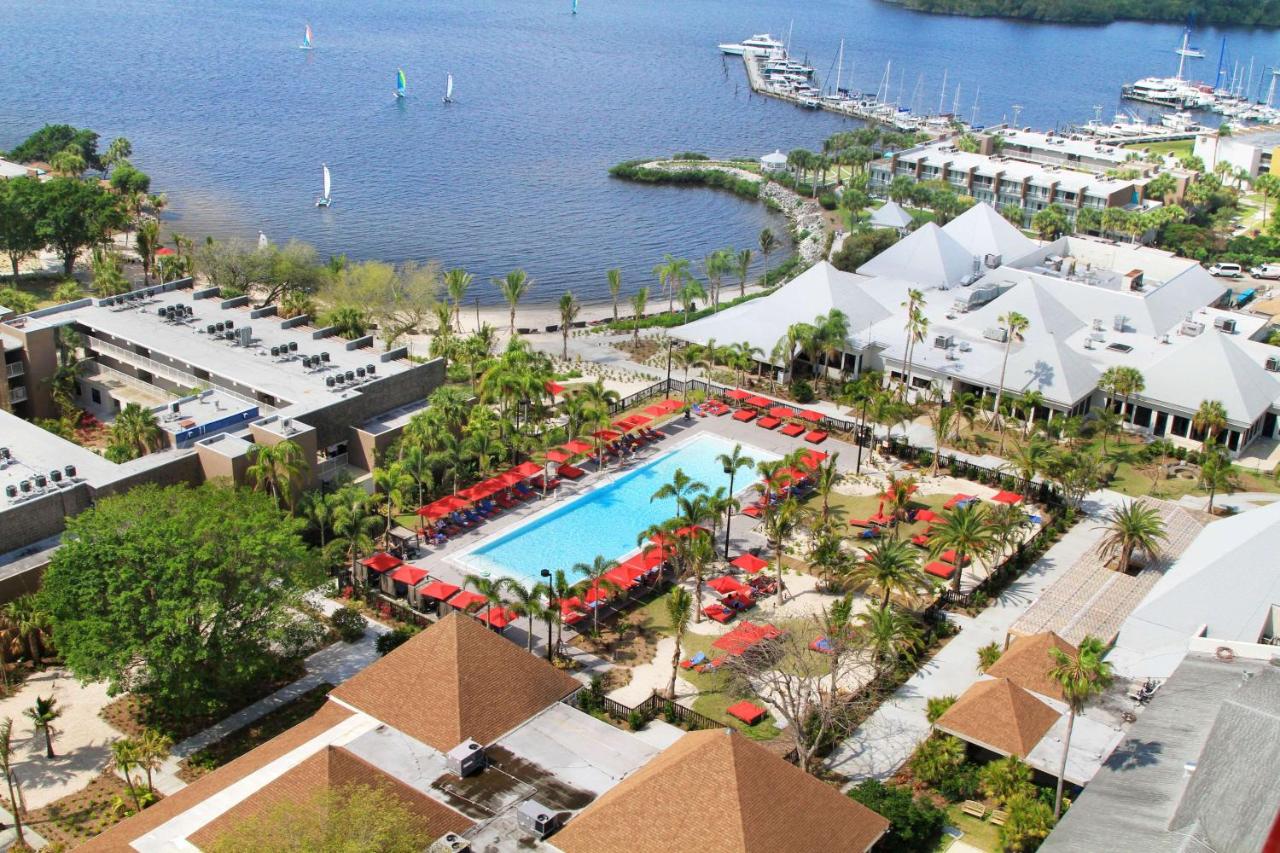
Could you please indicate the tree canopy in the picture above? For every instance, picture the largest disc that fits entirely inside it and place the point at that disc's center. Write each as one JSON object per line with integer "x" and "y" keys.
{"x": 176, "y": 593}
{"x": 75, "y": 214}
{"x": 19, "y": 226}
{"x": 1252, "y": 13}
{"x": 52, "y": 139}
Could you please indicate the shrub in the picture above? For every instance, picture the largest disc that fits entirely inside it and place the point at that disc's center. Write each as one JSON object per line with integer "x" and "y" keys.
{"x": 963, "y": 783}
{"x": 348, "y": 622}
{"x": 637, "y": 719}
{"x": 828, "y": 201}
{"x": 936, "y": 706}
{"x": 802, "y": 391}
{"x": 690, "y": 155}
{"x": 300, "y": 637}
{"x": 670, "y": 714}
{"x": 915, "y": 824}
{"x": 393, "y": 639}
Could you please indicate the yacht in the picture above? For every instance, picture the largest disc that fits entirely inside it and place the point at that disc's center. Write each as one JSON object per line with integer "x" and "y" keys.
{"x": 1182, "y": 122}
{"x": 758, "y": 43}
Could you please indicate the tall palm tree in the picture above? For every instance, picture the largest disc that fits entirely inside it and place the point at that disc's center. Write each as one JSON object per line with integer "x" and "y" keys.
{"x": 276, "y": 468}
{"x": 1027, "y": 460}
{"x": 456, "y": 283}
{"x": 593, "y": 577}
{"x": 353, "y": 525}
{"x": 396, "y": 486}
{"x": 1031, "y": 401}
{"x": 779, "y": 520}
{"x": 491, "y": 589}
{"x": 1210, "y": 418}
{"x": 318, "y": 510}
{"x": 417, "y": 464}
{"x": 1081, "y": 677}
{"x": 42, "y": 714}
{"x": 768, "y": 242}
{"x": 684, "y": 489}
{"x": 526, "y": 601}
{"x": 887, "y": 635}
{"x": 699, "y": 552}
{"x": 742, "y": 265}
{"x": 917, "y": 327}
{"x": 965, "y": 531}
{"x": 639, "y": 300}
{"x": 513, "y": 287}
{"x": 678, "y": 604}
{"x": 890, "y": 566}
{"x": 138, "y": 428}
{"x": 673, "y": 272}
{"x": 1132, "y": 527}
{"x": 615, "y": 287}
{"x": 731, "y": 463}
{"x": 147, "y": 243}
{"x": 6, "y": 766}
{"x": 1216, "y": 473}
{"x": 1015, "y": 326}
{"x": 569, "y": 309}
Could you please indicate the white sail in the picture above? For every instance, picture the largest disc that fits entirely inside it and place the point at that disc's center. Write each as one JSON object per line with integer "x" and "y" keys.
{"x": 448, "y": 88}
{"x": 326, "y": 181}
{"x": 262, "y": 240}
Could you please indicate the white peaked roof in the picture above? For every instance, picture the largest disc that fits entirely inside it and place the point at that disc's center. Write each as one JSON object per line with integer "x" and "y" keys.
{"x": 776, "y": 158}
{"x": 1227, "y": 580}
{"x": 890, "y": 215}
{"x": 762, "y": 322}
{"x": 983, "y": 231}
{"x": 1046, "y": 365}
{"x": 1045, "y": 314}
{"x": 927, "y": 257}
{"x": 1212, "y": 367}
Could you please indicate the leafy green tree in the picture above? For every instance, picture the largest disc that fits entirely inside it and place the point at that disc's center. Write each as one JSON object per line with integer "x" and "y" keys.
{"x": 177, "y": 593}
{"x": 937, "y": 757}
{"x": 18, "y": 301}
{"x": 20, "y": 237}
{"x": 118, "y": 153}
{"x": 915, "y": 823}
{"x": 52, "y": 139}
{"x": 861, "y": 246}
{"x": 1050, "y": 223}
{"x": 73, "y": 215}
{"x": 127, "y": 180}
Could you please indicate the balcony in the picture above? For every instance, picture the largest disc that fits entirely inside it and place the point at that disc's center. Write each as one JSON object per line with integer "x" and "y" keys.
{"x": 14, "y": 368}
{"x": 18, "y": 394}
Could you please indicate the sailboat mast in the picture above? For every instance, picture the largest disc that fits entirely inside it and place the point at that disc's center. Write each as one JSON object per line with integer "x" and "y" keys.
{"x": 790, "y": 29}
{"x": 1182, "y": 53}
{"x": 973, "y": 120}
{"x": 942, "y": 96}
{"x": 955, "y": 105}
{"x": 839, "y": 67}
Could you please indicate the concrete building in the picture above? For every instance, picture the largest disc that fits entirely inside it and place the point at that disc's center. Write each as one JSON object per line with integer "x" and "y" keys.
{"x": 1252, "y": 149}
{"x": 219, "y": 375}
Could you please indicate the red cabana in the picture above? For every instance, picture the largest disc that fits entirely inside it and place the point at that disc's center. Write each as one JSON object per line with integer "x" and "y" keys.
{"x": 606, "y": 434}
{"x": 810, "y": 415}
{"x": 737, "y": 394}
{"x": 726, "y": 585}
{"x": 525, "y": 470}
{"x": 497, "y": 617}
{"x": 1010, "y": 498}
{"x": 577, "y": 447}
{"x": 812, "y": 459}
{"x": 439, "y": 590}
{"x": 381, "y": 562}
{"x": 747, "y": 712}
{"x": 620, "y": 577}
{"x": 444, "y": 506}
{"x": 783, "y": 412}
{"x": 750, "y": 563}
{"x": 557, "y": 456}
{"x": 409, "y": 575}
{"x": 758, "y": 402}
{"x": 467, "y": 599}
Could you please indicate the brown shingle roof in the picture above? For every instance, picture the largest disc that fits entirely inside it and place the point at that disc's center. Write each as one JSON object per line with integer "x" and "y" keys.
{"x": 120, "y": 835}
{"x": 331, "y": 768}
{"x": 456, "y": 680}
{"x": 1028, "y": 661}
{"x": 1000, "y": 716}
{"x": 718, "y": 792}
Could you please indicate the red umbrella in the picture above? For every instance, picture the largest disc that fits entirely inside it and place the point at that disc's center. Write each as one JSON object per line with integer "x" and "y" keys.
{"x": 381, "y": 562}
{"x": 810, "y": 415}
{"x": 467, "y": 599}
{"x": 737, "y": 394}
{"x": 758, "y": 402}
{"x": 577, "y": 447}
{"x": 439, "y": 590}
{"x": 620, "y": 577}
{"x": 526, "y": 470}
{"x": 444, "y": 506}
{"x": 408, "y": 575}
{"x": 656, "y": 411}
{"x": 726, "y": 585}
{"x": 782, "y": 411}
{"x": 750, "y": 563}
{"x": 496, "y": 617}
{"x": 164, "y": 251}
{"x": 478, "y": 491}
{"x": 606, "y": 434}
{"x": 558, "y": 455}
{"x": 554, "y": 388}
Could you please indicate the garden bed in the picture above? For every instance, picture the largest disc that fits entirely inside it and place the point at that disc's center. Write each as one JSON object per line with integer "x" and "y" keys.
{"x": 92, "y": 810}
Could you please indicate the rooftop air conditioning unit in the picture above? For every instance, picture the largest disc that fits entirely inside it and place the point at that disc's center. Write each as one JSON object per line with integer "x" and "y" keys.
{"x": 1225, "y": 324}
{"x": 533, "y": 816}
{"x": 964, "y": 346}
{"x": 943, "y": 342}
{"x": 450, "y": 842}
{"x": 1190, "y": 328}
{"x": 993, "y": 261}
{"x": 1273, "y": 364}
{"x": 1088, "y": 343}
{"x": 244, "y": 335}
{"x": 1097, "y": 324}
{"x": 996, "y": 333}
{"x": 1120, "y": 322}
{"x": 465, "y": 758}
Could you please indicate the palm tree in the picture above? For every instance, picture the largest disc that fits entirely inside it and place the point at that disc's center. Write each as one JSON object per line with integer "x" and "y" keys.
{"x": 1210, "y": 418}
{"x": 683, "y": 488}
{"x": 965, "y": 531}
{"x": 1005, "y": 778}
{"x": 615, "y": 287}
{"x": 639, "y": 300}
{"x": 6, "y": 765}
{"x": 153, "y": 748}
{"x": 673, "y": 272}
{"x": 679, "y": 603}
{"x": 1216, "y": 473}
{"x": 825, "y": 480}
{"x": 417, "y": 464}
{"x": 124, "y": 757}
{"x": 491, "y": 589}
{"x": 890, "y": 565}
{"x": 569, "y": 309}
{"x": 1132, "y": 527}
{"x": 689, "y": 295}
{"x": 353, "y": 525}
{"x": 768, "y": 242}
{"x": 456, "y": 283}
{"x": 275, "y": 468}
{"x": 348, "y": 321}
{"x": 1268, "y": 185}
{"x": 1031, "y": 401}
{"x": 514, "y": 286}
{"x": 30, "y": 620}
{"x": 42, "y": 714}
{"x": 917, "y": 327}
{"x": 1015, "y": 325}
{"x": 887, "y": 635}
{"x": 1081, "y": 677}
{"x": 742, "y": 265}
{"x": 395, "y": 485}
{"x": 987, "y": 656}
{"x": 779, "y": 520}
{"x": 593, "y": 577}
{"x": 147, "y": 242}
{"x": 699, "y": 552}
{"x": 137, "y": 427}
{"x": 526, "y": 601}
{"x": 1027, "y": 460}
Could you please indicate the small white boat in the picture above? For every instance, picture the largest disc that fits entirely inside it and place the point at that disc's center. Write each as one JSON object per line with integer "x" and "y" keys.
{"x": 448, "y": 89}
{"x": 324, "y": 200}
{"x": 758, "y": 43}
{"x": 306, "y": 39}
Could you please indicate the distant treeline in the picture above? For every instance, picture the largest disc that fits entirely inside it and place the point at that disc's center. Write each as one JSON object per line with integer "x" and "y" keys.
{"x": 635, "y": 171}
{"x": 1251, "y": 13}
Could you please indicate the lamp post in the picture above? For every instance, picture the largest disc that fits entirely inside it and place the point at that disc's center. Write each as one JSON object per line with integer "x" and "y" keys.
{"x": 862, "y": 429}
{"x": 728, "y": 510}
{"x": 670, "y": 341}
{"x": 546, "y": 573}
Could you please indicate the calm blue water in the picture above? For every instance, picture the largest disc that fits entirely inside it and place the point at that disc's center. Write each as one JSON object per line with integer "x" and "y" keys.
{"x": 233, "y": 121}
{"x": 606, "y": 521}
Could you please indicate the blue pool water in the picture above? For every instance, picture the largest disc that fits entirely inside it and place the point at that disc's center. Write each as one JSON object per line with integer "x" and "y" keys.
{"x": 608, "y": 519}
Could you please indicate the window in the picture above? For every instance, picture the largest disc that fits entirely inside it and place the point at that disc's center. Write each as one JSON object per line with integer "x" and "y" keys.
{"x": 96, "y": 395}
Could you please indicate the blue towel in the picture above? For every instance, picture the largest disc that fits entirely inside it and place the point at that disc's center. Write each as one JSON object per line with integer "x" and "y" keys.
{"x": 700, "y": 657}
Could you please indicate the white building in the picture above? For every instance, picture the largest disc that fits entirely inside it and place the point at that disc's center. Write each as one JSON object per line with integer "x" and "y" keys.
{"x": 775, "y": 162}
{"x": 1250, "y": 148}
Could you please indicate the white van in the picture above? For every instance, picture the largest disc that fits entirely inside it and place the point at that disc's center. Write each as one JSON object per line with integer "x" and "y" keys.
{"x": 1266, "y": 271}
{"x": 1227, "y": 270}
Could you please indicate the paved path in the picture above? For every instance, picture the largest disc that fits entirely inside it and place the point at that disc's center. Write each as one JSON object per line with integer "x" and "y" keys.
{"x": 880, "y": 745}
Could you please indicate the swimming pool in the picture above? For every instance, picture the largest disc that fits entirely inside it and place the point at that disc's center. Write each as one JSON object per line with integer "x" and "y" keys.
{"x": 607, "y": 519}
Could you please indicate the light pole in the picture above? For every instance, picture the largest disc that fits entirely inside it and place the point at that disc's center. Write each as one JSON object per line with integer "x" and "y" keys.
{"x": 546, "y": 573}
{"x": 670, "y": 341}
{"x": 862, "y": 429}
{"x": 728, "y": 510}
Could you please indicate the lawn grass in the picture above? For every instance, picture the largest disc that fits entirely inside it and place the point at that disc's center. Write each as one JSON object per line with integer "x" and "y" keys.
{"x": 979, "y": 833}
{"x": 1178, "y": 147}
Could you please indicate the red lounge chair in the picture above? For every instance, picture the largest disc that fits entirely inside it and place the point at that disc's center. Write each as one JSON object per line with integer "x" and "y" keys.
{"x": 957, "y": 499}
{"x": 792, "y": 430}
{"x": 718, "y": 613}
{"x": 747, "y": 712}
{"x": 571, "y": 472}
{"x": 816, "y": 437}
{"x": 941, "y": 570}
{"x": 1011, "y": 498}
{"x": 768, "y": 423}
{"x": 752, "y": 511}
{"x": 949, "y": 556}
{"x": 922, "y": 539}
{"x": 744, "y": 415}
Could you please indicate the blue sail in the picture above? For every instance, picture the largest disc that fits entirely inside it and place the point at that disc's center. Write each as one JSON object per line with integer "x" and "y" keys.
{"x": 400, "y": 83}
{"x": 575, "y": 7}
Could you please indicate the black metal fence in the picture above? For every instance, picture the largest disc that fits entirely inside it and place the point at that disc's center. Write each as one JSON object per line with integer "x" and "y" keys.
{"x": 652, "y": 708}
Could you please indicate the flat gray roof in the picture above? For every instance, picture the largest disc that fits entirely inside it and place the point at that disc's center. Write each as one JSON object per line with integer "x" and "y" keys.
{"x": 36, "y": 451}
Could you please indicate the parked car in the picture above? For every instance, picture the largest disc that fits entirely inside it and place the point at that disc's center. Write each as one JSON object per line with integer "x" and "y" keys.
{"x": 1227, "y": 270}
{"x": 1266, "y": 271}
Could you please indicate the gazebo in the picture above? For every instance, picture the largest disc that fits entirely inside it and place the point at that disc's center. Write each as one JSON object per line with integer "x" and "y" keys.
{"x": 891, "y": 215}
{"x": 775, "y": 162}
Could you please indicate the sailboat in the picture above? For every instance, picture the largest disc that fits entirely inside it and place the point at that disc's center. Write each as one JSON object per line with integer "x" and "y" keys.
{"x": 448, "y": 89}
{"x": 262, "y": 240}
{"x": 400, "y": 83}
{"x": 574, "y": 9}
{"x": 306, "y": 39}
{"x": 324, "y": 200}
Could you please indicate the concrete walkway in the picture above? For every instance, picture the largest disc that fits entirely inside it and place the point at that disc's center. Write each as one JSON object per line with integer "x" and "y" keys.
{"x": 878, "y": 747}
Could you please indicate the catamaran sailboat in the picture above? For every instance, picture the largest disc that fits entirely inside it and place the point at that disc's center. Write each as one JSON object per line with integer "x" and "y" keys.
{"x": 400, "y": 83}
{"x": 306, "y": 39}
{"x": 448, "y": 89}
{"x": 324, "y": 200}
